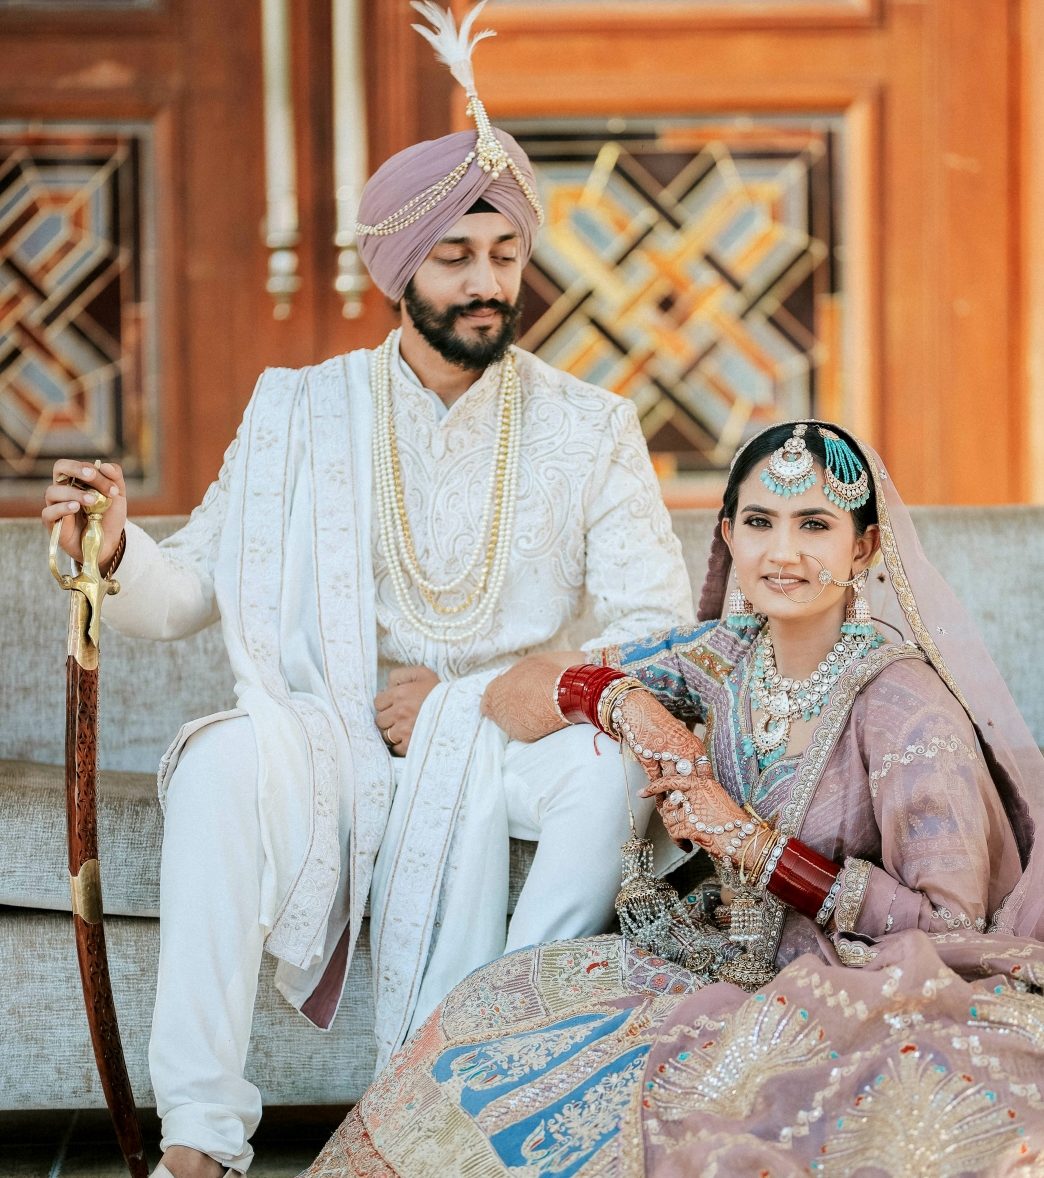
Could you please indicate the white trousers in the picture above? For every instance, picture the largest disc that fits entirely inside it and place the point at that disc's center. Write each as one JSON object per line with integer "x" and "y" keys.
{"x": 566, "y": 792}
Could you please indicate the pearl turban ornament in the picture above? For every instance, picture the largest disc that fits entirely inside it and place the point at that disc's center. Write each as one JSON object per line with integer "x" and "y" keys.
{"x": 414, "y": 199}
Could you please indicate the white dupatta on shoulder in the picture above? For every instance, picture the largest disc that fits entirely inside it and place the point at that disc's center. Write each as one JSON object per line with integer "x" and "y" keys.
{"x": 295, "y": 586}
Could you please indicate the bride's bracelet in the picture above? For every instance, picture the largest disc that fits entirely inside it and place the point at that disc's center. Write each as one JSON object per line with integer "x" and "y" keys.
{"x": 610, "y": 700}
{"x": 760, "y": 852}
{"x": 578, "y": 691}
{"x": 766, "y": 856}
{"x": 801, "y": 878}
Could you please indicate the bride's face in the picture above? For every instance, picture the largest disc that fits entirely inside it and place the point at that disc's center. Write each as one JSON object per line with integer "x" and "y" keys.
{"x": 779, "y": 547}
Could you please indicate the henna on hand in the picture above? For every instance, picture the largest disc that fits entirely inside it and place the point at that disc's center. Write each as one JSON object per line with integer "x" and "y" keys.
{"x": 701, "y": 802}
{"x": 521, "y": 700}
{"x": 653, "y": 727}
{"x": 683, "y": 800}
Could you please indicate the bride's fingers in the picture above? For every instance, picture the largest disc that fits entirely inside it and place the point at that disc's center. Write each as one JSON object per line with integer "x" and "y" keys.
{"x": 655, "y": 788}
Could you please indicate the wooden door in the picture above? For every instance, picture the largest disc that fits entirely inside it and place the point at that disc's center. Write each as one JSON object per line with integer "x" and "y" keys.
{"x": 862, "y": 236}
{"x": 908, "y": 315}
{"x": 134, "y": 315}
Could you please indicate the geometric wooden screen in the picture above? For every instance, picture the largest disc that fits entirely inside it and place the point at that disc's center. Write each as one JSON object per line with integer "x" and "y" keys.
{"x": 693, "y": 266}
{"x": 78, "y": 373}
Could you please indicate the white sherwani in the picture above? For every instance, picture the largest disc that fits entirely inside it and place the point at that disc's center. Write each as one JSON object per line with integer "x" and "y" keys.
{"x": 285, "y": 551}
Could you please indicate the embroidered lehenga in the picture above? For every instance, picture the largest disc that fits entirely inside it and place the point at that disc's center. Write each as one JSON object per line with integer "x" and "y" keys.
{"x": 909, "y": 1040}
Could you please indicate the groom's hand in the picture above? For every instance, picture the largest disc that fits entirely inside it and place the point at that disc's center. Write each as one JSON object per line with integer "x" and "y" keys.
{"x": 521, "y": 700}
{"x": 399, "y": 704}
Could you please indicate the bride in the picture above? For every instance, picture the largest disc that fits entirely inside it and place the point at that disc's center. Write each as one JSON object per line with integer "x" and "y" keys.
{"x": 856, "y": 984}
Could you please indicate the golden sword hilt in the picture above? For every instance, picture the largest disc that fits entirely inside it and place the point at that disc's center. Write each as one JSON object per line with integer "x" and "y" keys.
{"x": 89, "y": 580}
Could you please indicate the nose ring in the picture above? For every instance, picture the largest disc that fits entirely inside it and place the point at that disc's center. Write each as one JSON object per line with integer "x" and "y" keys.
{"x": 825, "y": 577}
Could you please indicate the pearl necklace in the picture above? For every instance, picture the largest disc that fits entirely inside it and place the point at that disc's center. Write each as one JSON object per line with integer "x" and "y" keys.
{"x": 782, "y": 700}
{"x": 469, "y": 615}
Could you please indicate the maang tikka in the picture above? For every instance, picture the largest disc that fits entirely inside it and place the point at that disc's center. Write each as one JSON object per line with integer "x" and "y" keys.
{"x": 791, "y": 470}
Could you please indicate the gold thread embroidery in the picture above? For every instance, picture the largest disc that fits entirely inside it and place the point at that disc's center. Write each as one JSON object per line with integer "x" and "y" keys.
{"x": 918, "y": 1117}
{"x": 767, "y": 1037}
{"x": 854, "y": 880}
{"x": 854, "y": 953}
{"x": 923, "y": 751}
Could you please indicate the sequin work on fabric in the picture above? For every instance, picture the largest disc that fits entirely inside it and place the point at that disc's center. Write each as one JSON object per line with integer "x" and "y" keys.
{"x": 589, "y": 1058}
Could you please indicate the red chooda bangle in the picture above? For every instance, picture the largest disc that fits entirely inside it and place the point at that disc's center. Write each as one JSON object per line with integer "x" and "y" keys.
{"x": 579, "y": 689}
{"x": 802, "y": 878}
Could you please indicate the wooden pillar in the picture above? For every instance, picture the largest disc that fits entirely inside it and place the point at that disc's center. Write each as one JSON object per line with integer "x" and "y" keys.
{"x": 1030, "y": 260}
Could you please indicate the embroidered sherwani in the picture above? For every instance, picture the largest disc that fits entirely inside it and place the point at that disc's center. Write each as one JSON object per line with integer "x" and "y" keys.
{"x": 285, "y": 551}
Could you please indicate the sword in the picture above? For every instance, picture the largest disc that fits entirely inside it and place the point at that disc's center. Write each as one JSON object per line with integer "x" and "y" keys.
{"x": 88, "y": 590}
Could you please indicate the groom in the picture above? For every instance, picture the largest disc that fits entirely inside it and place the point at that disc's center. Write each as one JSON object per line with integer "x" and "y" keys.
{"x": 390, "y": 529}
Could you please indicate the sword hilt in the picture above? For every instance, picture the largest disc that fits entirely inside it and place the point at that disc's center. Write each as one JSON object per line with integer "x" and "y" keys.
{"x": 89, "y": 579}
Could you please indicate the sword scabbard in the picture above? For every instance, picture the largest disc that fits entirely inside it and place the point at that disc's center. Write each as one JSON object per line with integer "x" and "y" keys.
{"x": 88, "y": 588}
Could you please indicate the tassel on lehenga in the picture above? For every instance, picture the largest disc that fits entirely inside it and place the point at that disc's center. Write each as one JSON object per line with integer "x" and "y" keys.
{"x": 654, "y": 916}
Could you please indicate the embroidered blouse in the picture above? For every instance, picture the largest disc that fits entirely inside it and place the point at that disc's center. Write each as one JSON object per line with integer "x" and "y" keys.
{"x": 892, "y": 784}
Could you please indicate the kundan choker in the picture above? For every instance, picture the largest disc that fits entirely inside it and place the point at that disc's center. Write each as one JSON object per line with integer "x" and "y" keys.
{"x": 782, "y": 700}
{"x": 465, "y": 603}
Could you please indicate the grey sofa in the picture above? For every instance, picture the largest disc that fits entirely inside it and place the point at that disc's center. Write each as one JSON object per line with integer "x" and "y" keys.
{"x": 993, "y": 556}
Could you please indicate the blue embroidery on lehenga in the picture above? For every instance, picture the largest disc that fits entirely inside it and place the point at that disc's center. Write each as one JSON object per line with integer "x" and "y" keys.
{"x": 489, "y": 1069}
{"x": 663, "y": 642}
{"x": 576, "y": 1118}
{"x": 562, "y": 1137}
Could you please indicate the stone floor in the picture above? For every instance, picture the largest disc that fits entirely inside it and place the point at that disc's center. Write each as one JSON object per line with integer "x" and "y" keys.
{"x": 64, "y": 1144}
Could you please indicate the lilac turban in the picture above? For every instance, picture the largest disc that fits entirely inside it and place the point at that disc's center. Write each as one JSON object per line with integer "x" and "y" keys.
{"x": 394, "y": 258}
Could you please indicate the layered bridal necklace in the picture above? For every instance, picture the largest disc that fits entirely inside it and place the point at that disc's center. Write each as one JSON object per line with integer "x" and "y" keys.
{"x": 463, "y": 604}
{"x": 782, "y": 700}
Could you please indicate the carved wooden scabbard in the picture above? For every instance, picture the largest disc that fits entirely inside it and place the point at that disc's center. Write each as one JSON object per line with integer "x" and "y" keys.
{"x": 88, "y": 589}
{"x": 85, "y": 881}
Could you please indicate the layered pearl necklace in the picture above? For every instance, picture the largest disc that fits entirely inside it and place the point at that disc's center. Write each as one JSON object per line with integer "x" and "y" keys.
{"x": 782, "y": 700}
{"x": 467, "y": 601}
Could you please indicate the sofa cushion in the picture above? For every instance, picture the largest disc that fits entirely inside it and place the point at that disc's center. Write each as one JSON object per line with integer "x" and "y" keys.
{"x": 34, "y": 869}
{"x": 991, "y": 556}
{"x": 34, "y": 872}
{"x": 48, "y": 1061}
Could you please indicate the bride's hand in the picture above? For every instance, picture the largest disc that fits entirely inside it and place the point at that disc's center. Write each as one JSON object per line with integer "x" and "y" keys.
{"x": 521, "y": 700}
{"x": 685, "y": 791}
{"x": 698, "y": 810}
{"x": 653, "y": 728}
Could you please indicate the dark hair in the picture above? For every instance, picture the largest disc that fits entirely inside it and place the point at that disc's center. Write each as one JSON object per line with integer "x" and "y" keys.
{"x": 764, "y": 444}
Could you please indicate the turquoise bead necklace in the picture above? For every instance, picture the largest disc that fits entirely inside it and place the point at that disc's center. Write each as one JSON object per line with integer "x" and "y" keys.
{"x": 782, "y": 700}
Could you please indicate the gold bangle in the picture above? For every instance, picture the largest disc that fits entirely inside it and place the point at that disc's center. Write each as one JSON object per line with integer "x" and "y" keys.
{"x": 607, "y": 704}
{"x": 610, "y": 697}
{"x": 743, "y": 858}
{"x": 763, "y": 855}
{"x": 747, "y": 846}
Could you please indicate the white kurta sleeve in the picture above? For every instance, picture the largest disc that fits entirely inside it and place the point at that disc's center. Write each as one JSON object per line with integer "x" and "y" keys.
{"x": 636, "y": 577}
{"x": 167, "y": 588}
